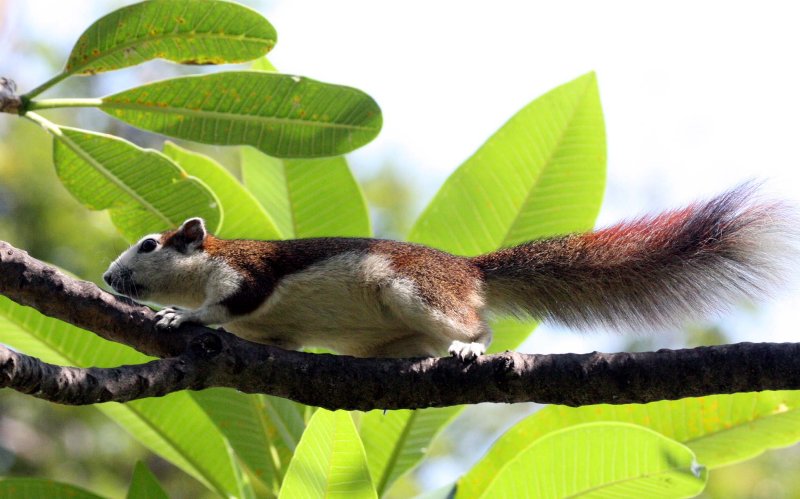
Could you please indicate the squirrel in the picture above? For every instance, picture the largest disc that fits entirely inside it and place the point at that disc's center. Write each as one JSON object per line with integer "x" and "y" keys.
{"x": 380, "y": 298}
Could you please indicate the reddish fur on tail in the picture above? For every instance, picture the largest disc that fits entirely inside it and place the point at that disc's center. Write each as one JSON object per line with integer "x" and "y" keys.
{"x": 651, "y": 272}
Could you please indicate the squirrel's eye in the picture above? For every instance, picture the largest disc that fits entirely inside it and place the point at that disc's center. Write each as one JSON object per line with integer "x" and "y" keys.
{"x": 148, "y": 245}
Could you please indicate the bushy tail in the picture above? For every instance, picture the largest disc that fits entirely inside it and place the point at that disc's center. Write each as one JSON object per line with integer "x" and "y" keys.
{"x": 651, "y": 272}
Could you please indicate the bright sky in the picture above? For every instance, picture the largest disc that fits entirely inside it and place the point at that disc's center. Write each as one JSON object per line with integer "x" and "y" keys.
{"x": 698, "y": 96}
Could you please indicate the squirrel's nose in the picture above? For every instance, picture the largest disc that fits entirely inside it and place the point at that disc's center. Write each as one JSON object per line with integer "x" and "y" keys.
{"x": 107, "y": 277}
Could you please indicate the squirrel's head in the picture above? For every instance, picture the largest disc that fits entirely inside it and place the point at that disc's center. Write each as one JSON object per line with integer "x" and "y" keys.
{"x": 163, "y": 267}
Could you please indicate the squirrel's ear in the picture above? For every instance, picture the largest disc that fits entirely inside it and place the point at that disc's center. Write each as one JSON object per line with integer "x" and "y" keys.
{"x": 192, "y": 232}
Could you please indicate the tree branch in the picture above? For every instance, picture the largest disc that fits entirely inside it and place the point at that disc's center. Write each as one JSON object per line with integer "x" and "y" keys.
{"x": 10, "y": 102}
{"x": 196, "y": 357}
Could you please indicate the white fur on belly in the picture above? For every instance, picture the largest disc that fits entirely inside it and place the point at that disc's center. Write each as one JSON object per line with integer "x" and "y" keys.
{"x": 348, "y": 303}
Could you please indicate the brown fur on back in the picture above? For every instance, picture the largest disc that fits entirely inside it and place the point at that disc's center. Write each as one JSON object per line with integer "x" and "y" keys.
{"x": 444, "y": 281}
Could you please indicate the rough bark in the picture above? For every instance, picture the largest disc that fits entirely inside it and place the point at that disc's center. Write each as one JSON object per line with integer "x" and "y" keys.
{"x": 196, "y": 357}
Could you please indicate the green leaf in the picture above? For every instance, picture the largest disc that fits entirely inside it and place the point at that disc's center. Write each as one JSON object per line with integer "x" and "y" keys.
{"x": 598, "y": 460}
{"x": 396, "y": 441}
{"x": 184, "y": 31}
{"x": 329, "y": 461}
{"x": 36, "y": 488}
{"x": 245, "y": 218}
{"x": 288, "y": 418}
{"x": 541, "y": 174}
{"x": 253, "y": 435}
{"x": 725, "y": 429}
{"x": 720, "y": 429}
{"x": 168, "y": 426}
{"x": 244, "y": 478}
{"x": 509, "y": 333}
{"x": 144, "y": 484}
{"x": 307, "y": 197}
{"x": 143, "y": 190}
{"x": 282, "y": 115}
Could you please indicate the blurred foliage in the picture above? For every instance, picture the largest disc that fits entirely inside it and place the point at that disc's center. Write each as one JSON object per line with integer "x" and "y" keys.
{"x": 770, "y": 476}
{"x": 390, "y": 197}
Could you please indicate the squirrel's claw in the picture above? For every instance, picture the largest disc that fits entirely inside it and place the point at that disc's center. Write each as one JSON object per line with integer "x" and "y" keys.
{"x": 466, "y": 352}
{"x": 170, "y": 318}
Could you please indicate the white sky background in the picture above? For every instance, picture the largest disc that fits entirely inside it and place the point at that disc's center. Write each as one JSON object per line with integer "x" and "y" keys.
{"x": 698, "y": 96}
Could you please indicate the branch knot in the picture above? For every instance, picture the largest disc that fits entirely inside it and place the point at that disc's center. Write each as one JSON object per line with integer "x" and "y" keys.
{"x": 206, "y": 345}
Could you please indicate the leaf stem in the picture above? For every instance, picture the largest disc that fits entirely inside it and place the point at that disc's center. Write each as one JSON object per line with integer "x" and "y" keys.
{"x": 49, "y": 83}
{"x": 44, "y": 123}
{"x": 57, "y": 103}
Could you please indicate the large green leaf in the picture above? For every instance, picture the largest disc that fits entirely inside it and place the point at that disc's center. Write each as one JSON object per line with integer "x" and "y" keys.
{"x": 720, "y": 429}
{"x": 598, "y": 460}
{"x": 287, "y": 417}
{"x": 245, "y": 218}
{"x": 252, "y": 433}
{"x": 329, "y": 461}
{"x": 169, "y": 426}
{"x": 541, "y": 174}
{"x": 144, "y": 190}
{"x": 395, "y": 441}
{"x": 37, "y": 488}
{"x": 144, "y": 484}
{"x": 282, "y": 115}
{"x": 185, "y": 31}
{"x": 307, "y": 197}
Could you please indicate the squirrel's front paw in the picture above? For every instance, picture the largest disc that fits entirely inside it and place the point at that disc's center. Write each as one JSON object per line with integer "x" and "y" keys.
{"x": 170, "y": 317}
{"x": 466, "y": 352}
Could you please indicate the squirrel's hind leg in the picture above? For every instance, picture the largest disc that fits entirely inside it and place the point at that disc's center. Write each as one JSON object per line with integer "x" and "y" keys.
{"x": 449, "y": 319}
